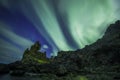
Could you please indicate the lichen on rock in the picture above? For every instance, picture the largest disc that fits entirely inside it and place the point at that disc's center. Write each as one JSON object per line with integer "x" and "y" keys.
{"x": 33, "y": 56}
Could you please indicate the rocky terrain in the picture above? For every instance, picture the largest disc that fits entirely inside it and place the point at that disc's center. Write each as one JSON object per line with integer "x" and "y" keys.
{"x": 98, "y": 61}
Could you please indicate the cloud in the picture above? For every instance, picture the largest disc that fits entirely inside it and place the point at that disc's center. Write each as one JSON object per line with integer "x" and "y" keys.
{"x": 45, "y": 46}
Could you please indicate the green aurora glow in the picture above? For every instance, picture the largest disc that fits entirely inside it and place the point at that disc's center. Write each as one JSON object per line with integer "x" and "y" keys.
{"x": 85, "y": 21}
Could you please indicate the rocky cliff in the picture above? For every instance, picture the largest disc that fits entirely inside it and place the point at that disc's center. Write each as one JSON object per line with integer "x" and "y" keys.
{"x": 34, "y": 56}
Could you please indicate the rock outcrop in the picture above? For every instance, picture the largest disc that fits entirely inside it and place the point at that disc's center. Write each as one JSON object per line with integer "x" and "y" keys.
{"x": 33, "y": 56}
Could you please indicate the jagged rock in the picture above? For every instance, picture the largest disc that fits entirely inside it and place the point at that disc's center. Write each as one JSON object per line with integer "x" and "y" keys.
{"x": 31, "y": 61}
{"x": 34, "y": 48}
{"x": 33, "y": 56}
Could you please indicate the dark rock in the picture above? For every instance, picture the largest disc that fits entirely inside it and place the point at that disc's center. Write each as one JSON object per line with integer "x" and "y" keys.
{"x": 33, "y": 56}
{"x": 61, "y": 71}
{"x": 4, "y": 69}
{"x": 17, "y": 73}
{"x": 117, "y": 78}
{"x": 16, "y": 65}
{"x": 35, "y": 47}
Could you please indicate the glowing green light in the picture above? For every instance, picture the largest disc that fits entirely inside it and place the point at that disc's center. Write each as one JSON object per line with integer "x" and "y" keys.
{"x": 46, "y": 14}
{"x": 86, "y": 17}
{"x": 86, "y": 20}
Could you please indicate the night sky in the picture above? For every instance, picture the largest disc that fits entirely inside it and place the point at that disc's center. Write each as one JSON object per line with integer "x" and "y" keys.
{"x": 59, "y": 25}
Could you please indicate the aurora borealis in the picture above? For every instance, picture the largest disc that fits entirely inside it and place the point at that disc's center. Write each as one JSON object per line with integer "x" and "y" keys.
{"x": 57, "y": 24}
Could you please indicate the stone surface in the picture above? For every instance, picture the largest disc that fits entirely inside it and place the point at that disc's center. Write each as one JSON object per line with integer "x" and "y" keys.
{"x": 4, "y": 69}
{"x": 33, "y": 56}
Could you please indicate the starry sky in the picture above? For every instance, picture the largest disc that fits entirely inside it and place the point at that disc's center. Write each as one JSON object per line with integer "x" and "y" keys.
{"x": 59, "y": 25}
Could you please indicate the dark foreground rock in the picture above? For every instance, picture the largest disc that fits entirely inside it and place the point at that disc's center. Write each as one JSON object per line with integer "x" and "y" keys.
{"x": 4, "y": 69}
{"x": 17, "y": 72}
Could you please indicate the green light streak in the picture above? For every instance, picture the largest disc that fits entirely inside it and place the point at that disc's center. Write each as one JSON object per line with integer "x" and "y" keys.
{"x": 47, "y": 16}
{"x": 86, "y": 20}
{"x": 85, "y": 17}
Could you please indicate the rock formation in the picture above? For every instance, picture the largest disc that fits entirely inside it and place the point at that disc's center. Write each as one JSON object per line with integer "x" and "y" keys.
{"x": 33, "y": 56}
